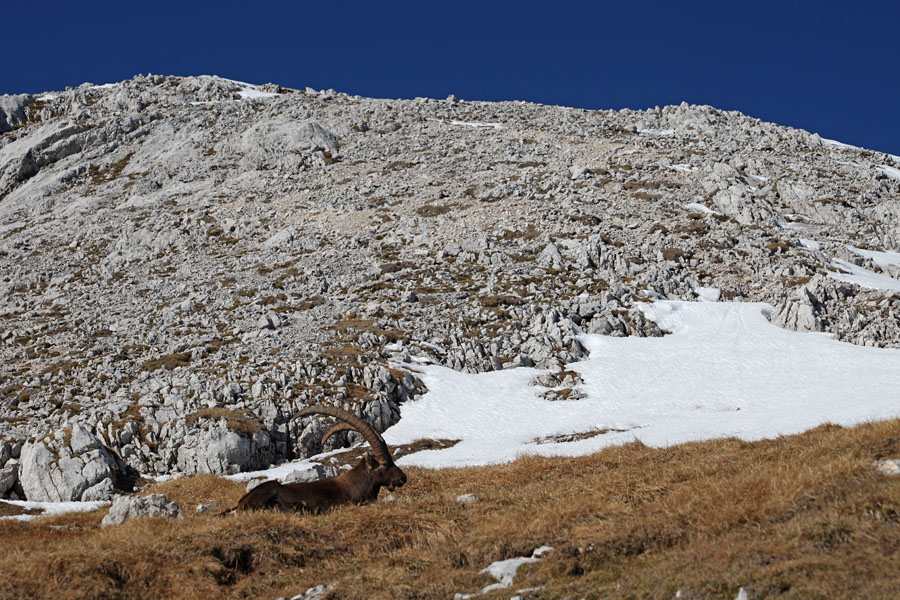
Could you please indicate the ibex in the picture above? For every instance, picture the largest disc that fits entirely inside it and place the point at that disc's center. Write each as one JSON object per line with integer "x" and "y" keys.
{"x": 358, "y": 485}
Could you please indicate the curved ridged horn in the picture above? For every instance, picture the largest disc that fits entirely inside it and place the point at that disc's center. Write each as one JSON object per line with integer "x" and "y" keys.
{"x": 379, "y": 447}
{"x": 336, "y": 429}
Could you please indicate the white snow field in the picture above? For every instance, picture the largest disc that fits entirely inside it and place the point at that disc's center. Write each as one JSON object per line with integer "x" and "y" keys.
{"x": 723, "y": 371}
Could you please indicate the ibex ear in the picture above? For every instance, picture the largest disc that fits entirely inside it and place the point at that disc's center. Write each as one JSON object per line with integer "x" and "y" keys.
{"x": 371, "y": 461}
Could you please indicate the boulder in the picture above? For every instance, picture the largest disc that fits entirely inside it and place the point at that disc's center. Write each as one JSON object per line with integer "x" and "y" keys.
{"x": 579, "y": 172}
{"x": 101, "y": 492}
{"x": 280, "y": 239}
{"x": 278, "y": 143}
{"x": 48, "y": 144}
{"x": 8, "y": 477}
{"x": 218, "y": 450}
{"x": 12, "y": 110}
{"x": 798, "y": 312}
{"x": 550, "y": 257}
{"x": 314, "y": 593}
{"x": 311, "y": 473}
{"x": 5, "y": 453}
{"x": 134, "y": 507}
{"x": 57, "y": 469}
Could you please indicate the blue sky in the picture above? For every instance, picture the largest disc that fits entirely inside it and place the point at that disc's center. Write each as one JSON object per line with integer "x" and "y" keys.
{"x": 828, "y": 67}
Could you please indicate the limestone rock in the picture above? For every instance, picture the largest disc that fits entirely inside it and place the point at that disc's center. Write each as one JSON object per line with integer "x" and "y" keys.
{"x": 12, "y": 110}
{"x": 798, "y": 312}
{"x": 313, "y": 473}
{"x": 550, "y": 257}
{"x": 579, "y": 172}
{"x": 53, "y": 471}
{"x": 318, "y": 592}
{"x": 8, "y": 477}
{"x": 101, "y": 492}
{"x": 218, "y": 245}
{"x": 5, "y": 452}
{"x": 219, "y": 450}
{"x": 135, "y": 507}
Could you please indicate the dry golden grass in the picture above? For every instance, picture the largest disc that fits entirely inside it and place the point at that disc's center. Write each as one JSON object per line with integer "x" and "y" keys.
{"x": 804, "y": 516}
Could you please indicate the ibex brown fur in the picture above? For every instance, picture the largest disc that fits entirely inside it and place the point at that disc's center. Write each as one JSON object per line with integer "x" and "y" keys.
{"x": 358, "y": 485}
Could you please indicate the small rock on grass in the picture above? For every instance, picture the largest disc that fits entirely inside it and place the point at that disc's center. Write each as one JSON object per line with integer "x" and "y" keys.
{"x": 889, "y": 466}
{"x": 133, "y": 507}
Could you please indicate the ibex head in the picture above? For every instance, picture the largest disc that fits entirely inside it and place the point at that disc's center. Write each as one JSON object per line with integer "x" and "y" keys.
{"x": 378, "y": 462}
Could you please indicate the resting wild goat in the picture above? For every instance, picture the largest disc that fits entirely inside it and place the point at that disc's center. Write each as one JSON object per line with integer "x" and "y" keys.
{"x": 360, "y": 484}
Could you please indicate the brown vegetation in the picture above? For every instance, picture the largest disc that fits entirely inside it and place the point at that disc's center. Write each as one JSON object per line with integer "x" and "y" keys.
{"x": 804, "y": 516}
{"x": 168, "y": 362}
{"x": 350, "y": 325}
{"x": 238, "y": 421}
{"x": 672, "y": 253}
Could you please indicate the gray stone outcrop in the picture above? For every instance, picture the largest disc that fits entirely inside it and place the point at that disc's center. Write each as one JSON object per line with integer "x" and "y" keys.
{"x": 12, "y": 110}
{"x": 9, "y": 475}
{"x": 137, "y": 507}
{"x": 312, "y": 473}
{"x": 61, "y": 468}
{"x": 219, "y": 450}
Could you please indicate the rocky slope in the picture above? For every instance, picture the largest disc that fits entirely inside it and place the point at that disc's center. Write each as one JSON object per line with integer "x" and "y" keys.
{"x": 188, "y": 261}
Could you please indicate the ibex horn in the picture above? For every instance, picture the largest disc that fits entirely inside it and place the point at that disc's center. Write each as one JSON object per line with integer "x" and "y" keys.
{"x": 379, "y": 447}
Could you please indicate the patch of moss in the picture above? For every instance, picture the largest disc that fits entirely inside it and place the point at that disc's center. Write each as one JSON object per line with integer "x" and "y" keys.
{"x": 672, "y": 253}
{"x": 168, "y": 362}
{"x": 499, "y": 300}
{"x": 239, "y": 422}
{"x": 99, "y": 175}
{"x": 431, "y": 210}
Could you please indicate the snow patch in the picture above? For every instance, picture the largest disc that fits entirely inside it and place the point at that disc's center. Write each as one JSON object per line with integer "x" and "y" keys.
{"x": 280, "y": 472}
{"x": 810, "y": 244}
{"x": 891, "y": 172}
{"x": 723, "y": 370}
{"x": 51, "y": 508}
{"x": 851, "y": 273}
{"x": 504, "y": 571}
{"x": 657, "y": 131}
{"x": 796, "y": 224}
{"x": 696, "y": 206}
{"x": 707, "y": 294}
{"x": 882, "y": 259}
{"x": 841, "y": 145}
{"x": 252, "y": 93}
{"x": 468, "y": 123}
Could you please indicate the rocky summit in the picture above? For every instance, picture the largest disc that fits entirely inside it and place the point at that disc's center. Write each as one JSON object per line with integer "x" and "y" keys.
{"x": 187, "y": 262}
